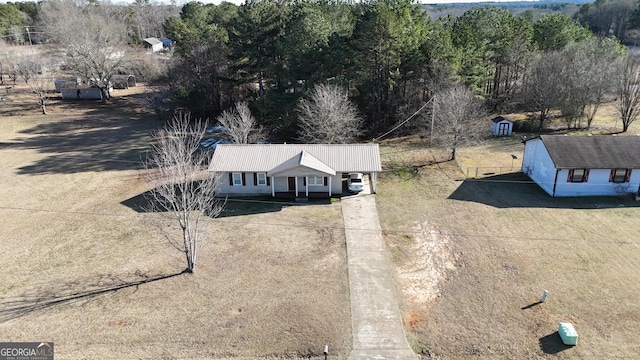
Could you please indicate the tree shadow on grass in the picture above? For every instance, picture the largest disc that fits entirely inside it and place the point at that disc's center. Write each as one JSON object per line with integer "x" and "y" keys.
{"x": 552, "y": 344}
{"x": 516, "y": 190}
{"x": 144, "y": 203}
{"x": 69, "y": 293}
{"x": 72, "y": 146}
{"x": 102, "y": 137}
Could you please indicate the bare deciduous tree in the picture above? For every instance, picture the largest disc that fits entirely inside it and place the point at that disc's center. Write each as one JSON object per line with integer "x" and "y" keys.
{"x": 544, "y": 85}
{"x": 41, "y": 79}
{"x": 628, "y": 90}
{"x": 10, "y": 68}
{"x": 589, "y": 74}
{"x": 28, "y": 66}
{"x": 93, "y": 37}
{"x": 328, "y": 117}
{"x": 18, "y": 34}
{"x": 458, "y": 117}
{"x": 240, "y": 126}
{"x": 183, "y": 188}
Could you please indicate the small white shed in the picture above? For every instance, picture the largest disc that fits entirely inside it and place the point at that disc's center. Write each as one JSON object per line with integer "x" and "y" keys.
{"x": 501, "y": 126}
{"x": 152, "y": 44}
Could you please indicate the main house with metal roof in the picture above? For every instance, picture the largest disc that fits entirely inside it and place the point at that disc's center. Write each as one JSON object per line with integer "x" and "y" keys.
{"x": 603, "y": 165}
{"x": 292, "y": 170}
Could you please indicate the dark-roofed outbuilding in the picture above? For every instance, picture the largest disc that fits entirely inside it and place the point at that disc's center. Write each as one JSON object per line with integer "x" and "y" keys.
{"x": 501, "y": 126}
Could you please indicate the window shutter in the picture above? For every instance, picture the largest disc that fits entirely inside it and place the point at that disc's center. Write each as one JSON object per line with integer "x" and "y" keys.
{"x": 268, "y": 180}
{"x": 304, "y": 181}
{"x": 586, "y": 175}
{"x": 255, "y": 179}
{"x": 230, "y": 179}
{"x": 325, "y": 181}
{"x": 627, "y": 177}
{"x": 244, "y": 179}
{"x": 612, "y": 176}
{"x": 570, "y": 177}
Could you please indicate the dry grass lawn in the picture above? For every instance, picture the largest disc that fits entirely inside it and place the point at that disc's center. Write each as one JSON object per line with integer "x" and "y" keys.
{"x": 82, "y": 268}
{"x": 474, "y": 257}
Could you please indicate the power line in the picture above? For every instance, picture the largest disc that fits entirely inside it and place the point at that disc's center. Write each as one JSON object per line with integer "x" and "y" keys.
{"x": 404, "y": 122}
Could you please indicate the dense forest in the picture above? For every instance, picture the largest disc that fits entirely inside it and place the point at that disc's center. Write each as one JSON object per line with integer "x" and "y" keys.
{"x": 390, "y": 55}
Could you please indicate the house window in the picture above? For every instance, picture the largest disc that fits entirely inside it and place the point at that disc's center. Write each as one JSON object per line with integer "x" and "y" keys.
{"x": 316, "y": 181}
{"x": 237, "y": 179}
{"x": 578, "y": 175}
{"x": 620, "y": 175}
{"x": 261, "y": 179}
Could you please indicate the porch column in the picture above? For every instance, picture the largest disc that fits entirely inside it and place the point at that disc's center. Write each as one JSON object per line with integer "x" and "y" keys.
{"x": 296, "y": 186}
{"x": 330, "y": 178}
{"x": 374, "y": 178}
{"x": 306, "y": 188}
{"x": 273, "y": 187}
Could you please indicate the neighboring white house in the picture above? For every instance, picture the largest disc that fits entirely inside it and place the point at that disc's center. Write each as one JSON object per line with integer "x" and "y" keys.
{"x": 292, "y": 170}
{"x": 501, "y": 126}
{"x": 152, "y": 44}
{"x": 603, "y": 165}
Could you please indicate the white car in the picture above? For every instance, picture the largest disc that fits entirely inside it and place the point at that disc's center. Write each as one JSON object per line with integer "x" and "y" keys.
{"x": 355, "y": 183}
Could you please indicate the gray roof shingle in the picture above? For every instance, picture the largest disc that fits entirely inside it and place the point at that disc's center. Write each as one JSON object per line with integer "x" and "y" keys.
{"x": 593, "y": 152}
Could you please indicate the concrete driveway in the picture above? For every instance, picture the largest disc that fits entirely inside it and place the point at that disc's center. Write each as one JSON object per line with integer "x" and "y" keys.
{"x": 376, "y": 320}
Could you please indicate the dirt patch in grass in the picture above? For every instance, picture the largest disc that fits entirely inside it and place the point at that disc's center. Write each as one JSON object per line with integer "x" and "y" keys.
{"x": 83, "y": 269}
{"x": 494, "y": 245}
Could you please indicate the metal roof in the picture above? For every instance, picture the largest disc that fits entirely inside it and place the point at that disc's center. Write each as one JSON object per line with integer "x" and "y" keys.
{"x": 593, "y": 152}
{"x": 269, "y": 157}
{"x": 303, "y": 159}
{"x": 152, "y": 41}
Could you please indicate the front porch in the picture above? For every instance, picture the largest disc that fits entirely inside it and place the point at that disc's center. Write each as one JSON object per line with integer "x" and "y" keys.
{"x": 301, "y": 195}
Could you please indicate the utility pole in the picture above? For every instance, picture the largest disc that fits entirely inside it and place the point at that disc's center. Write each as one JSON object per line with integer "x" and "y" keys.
{"x": 28, "y": 35}
{"x": 433, "y": 117}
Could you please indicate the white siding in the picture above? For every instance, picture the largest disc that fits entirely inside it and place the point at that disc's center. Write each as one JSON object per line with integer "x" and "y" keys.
{"x": 281, "y": 185}
{"x": 597, "y": 184}
{"x": 495, "y": 128}
{"x": 250, "y": 188}
{"x": 537, "y": 164}
{"x": 336, "y": 184}
{"x": 85, "y": 93}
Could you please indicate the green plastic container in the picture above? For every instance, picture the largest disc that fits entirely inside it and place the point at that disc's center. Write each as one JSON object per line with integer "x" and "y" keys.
{"x": 568, "y": 334}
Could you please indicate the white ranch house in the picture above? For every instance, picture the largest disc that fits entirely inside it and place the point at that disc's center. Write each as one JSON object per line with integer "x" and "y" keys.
{"x": 292, "y": 170}
{"x": 601, "y": 165}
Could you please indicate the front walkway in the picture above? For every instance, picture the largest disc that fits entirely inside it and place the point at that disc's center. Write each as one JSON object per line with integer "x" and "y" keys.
{"x": 376, "y": 321}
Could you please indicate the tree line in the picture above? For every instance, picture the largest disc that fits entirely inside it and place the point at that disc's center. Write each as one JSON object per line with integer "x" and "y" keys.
{"x": 389, "y": 56}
